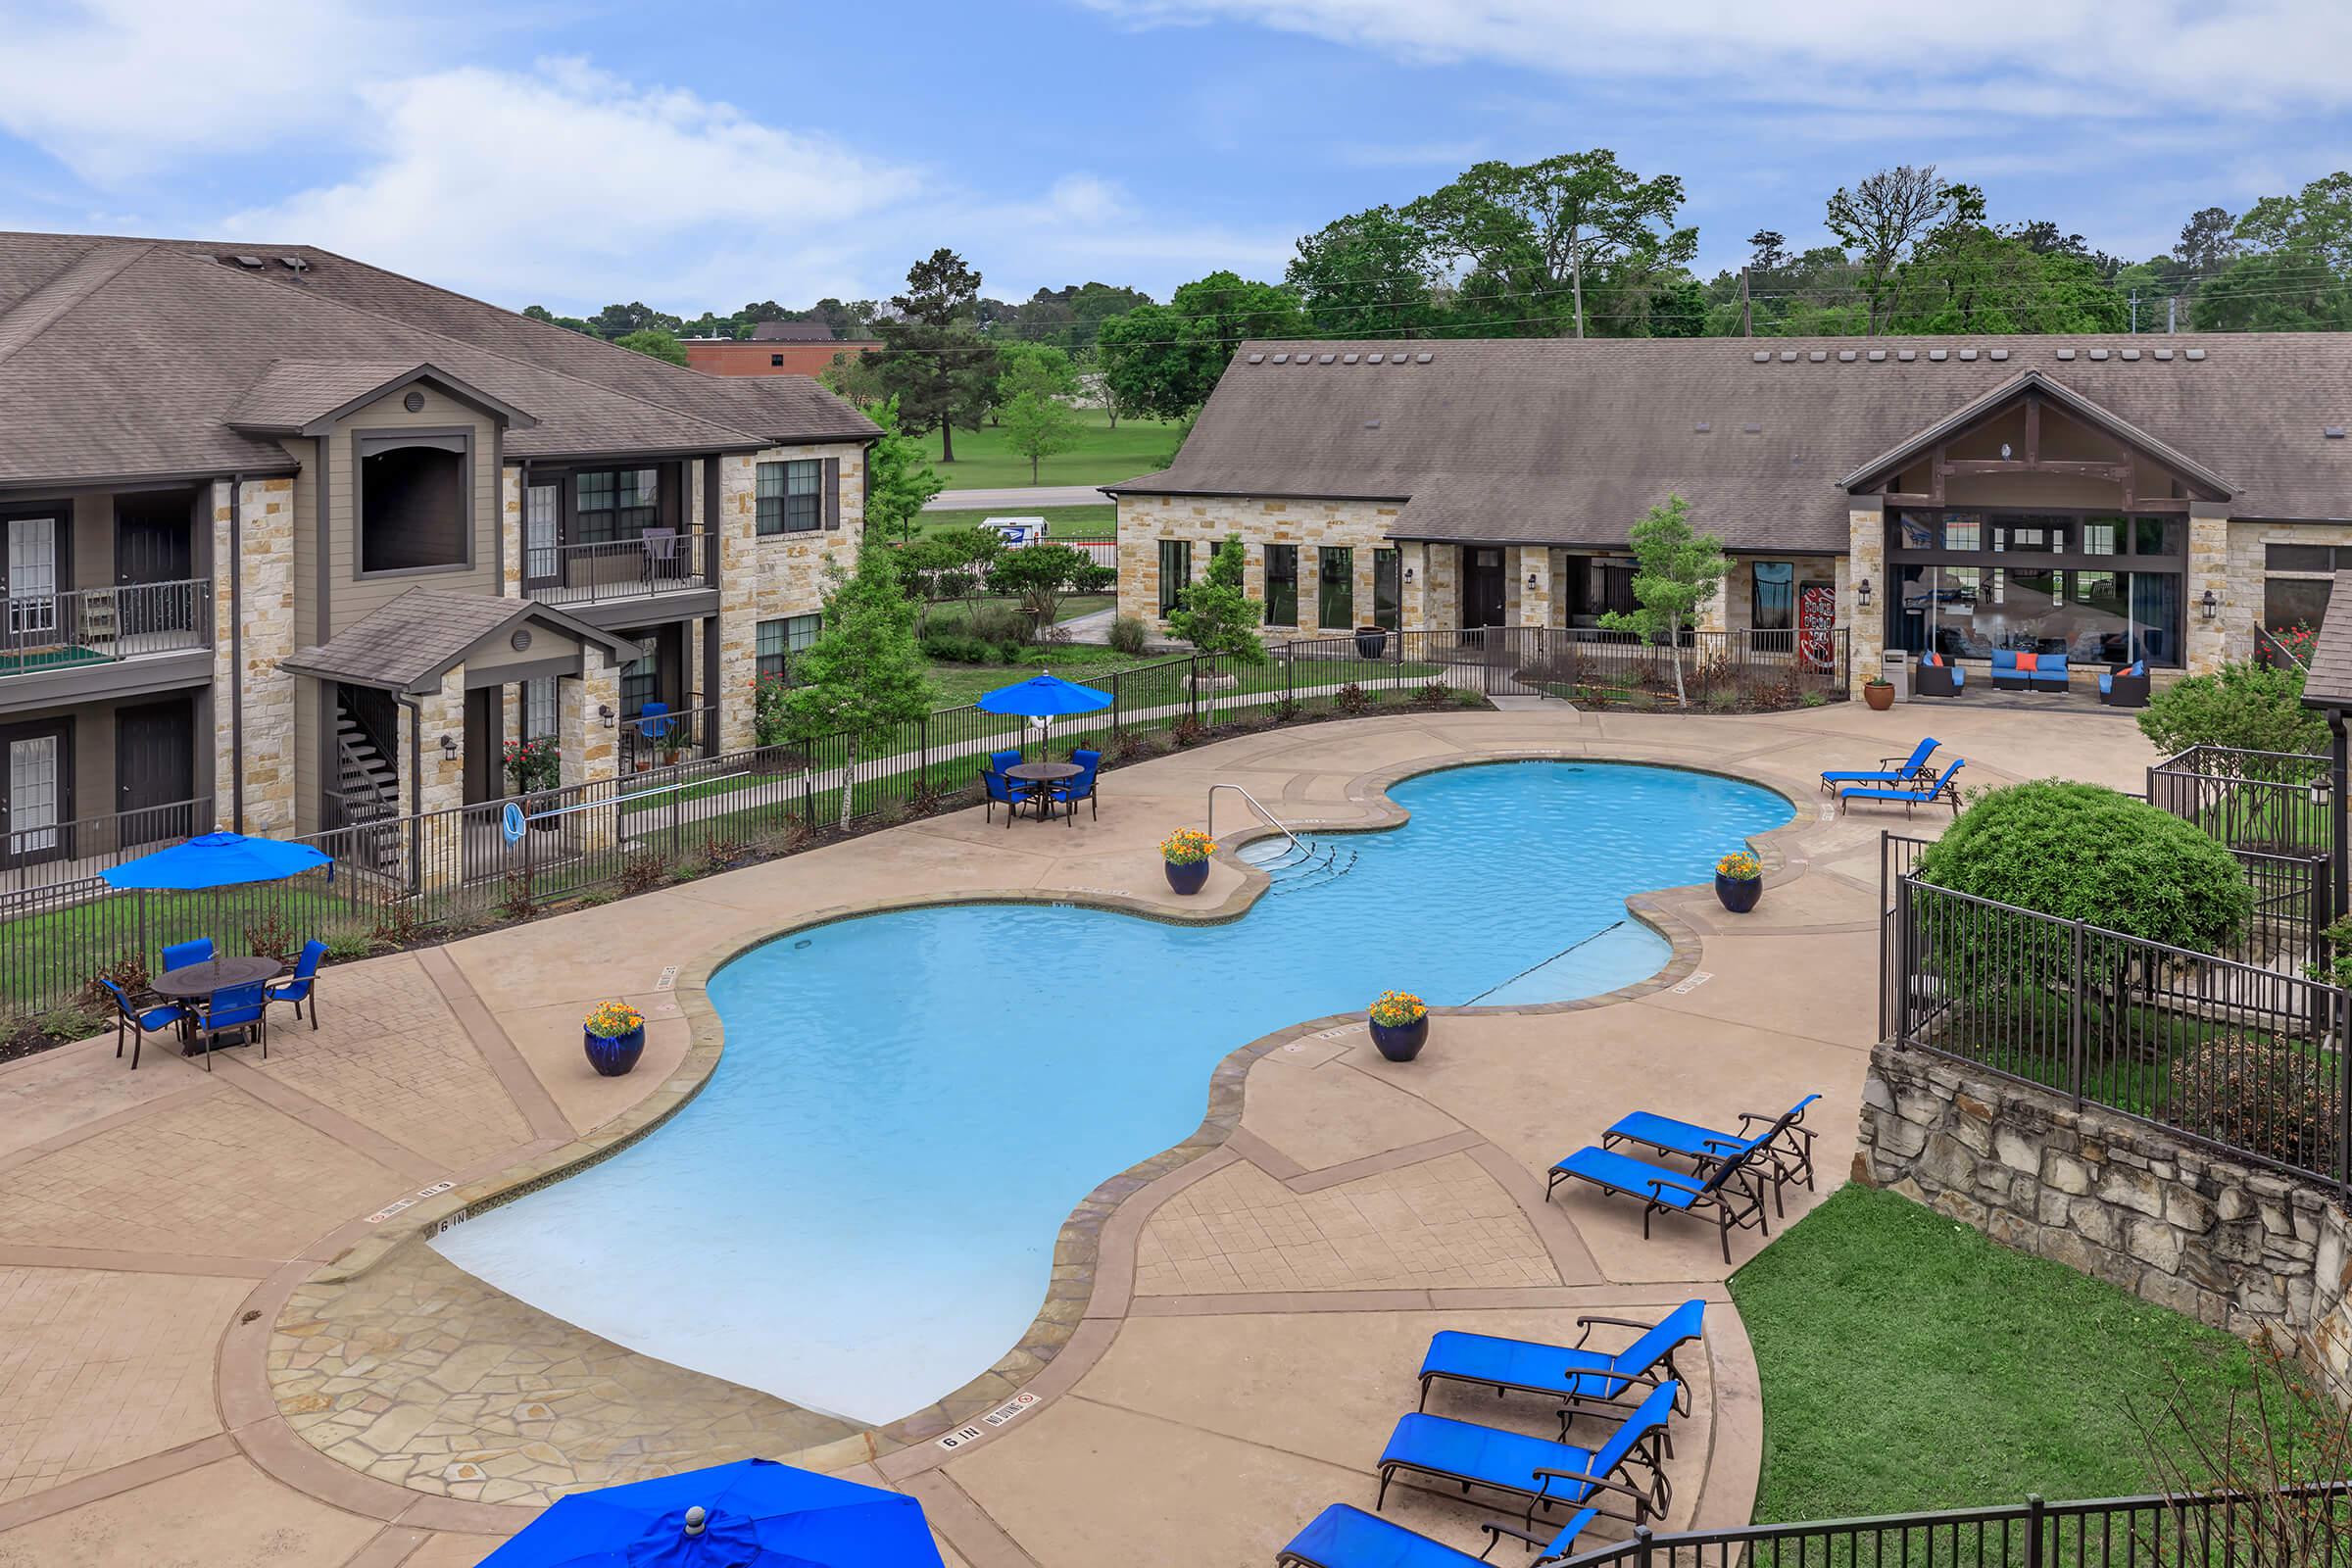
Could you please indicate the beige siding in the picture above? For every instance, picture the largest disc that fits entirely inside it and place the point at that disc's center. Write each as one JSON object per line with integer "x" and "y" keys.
{"x": 353, "y": 596}
{"x": 546, "y": 643}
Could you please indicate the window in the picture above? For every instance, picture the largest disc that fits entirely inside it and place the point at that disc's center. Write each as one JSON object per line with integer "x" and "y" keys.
{"x": 1281, "y": 585}
{"x": 413, "y": 502}
{"x": 776, "y": 360}
{"x": 1175, "y": 573}
{"x": 541, "y": 719}
{"x": 1388, "y": 588}
{"x": 1613, "y": 583}
{"x": 2297, "y": 558}
{"x": 2289, "y": 604}
{"x": 780, "y": 639}
{"x": 1772, "y": 606}
{"x": 1335, "y": 595}
{"x": 790, "y": 496}
{"x": 2097, "y": 588}
{"x": 615, "y": 503}
{"x": 2102, "y": 536}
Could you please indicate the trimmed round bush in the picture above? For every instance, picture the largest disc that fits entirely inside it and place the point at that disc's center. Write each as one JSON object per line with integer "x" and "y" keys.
{"x": 2082, "y": 852}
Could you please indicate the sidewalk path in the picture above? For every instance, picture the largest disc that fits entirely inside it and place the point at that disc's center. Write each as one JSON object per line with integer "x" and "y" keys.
{"x": 1016, "y": 500}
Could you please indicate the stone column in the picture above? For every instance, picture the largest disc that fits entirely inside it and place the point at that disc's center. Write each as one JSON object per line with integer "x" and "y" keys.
{"x": 1866, "y": 552}
{"x": 1534, "y": 603}
{"x": 224, "y": 784}
{"x": 510, "y": 530}
{"x": 1412, "y": 580}
{"x": 2209, "y": 643}
{"x": 441, "y": 772}
{"x": 265, "y": 612}
{"x": 1444, "y": 587}
{"x": 738, "y": 601}
{"x": 589, "y": 752}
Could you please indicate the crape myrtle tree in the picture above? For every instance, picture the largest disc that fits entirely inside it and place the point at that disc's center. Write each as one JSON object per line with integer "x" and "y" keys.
{"x": 1678, "y": 571}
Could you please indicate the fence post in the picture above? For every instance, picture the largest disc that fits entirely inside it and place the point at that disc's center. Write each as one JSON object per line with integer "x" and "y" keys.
{"x": 2036, "y": 1519}
{"x": 923, "y": 754}
{"x": 2343, "y": 1096}
{"x": 2074, "y": 1026}
{"x": 1290, "y": 679}
{"x": 1191, "y": 692}
{"x": 1885, "y": 920}
{"x": 1641, "y": 1548}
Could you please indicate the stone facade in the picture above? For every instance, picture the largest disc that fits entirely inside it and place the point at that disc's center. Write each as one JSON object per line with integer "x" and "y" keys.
{"x": 264, "y": 604}
{"x": 590, "y": 753}
{"x": 768, "y": 578}
{"x": 1360, "y": 526}
{"x": 2236, "y": 1248}
{"x": 1866, "y": 562}
{"x": 510, "y": 532}
{"x": 2208, "y": 641}
{"x": 440, "y": 785}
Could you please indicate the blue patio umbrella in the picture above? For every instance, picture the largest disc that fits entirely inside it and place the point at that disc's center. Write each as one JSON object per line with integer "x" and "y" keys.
{"x": 215, "y": 860}
{"x": 754, "y": 1511}
{"x": 1043, "y": 699}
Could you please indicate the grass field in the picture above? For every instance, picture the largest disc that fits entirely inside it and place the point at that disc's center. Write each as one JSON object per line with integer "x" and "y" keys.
{"x": 1061, "y": 522}
{"x": 1911, "y": 1363}
{"x": 983, "y": 461}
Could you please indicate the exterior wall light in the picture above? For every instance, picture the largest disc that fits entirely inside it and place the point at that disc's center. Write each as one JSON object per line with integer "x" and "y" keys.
{"x": 448, "y": 746}
{"x": 1862, "y": 594}
{"x": 1531, "y": 579}
{"x": 604, "y": 711}
{"x": 2208, "y": 606}
{"x": 1408, "y": 574}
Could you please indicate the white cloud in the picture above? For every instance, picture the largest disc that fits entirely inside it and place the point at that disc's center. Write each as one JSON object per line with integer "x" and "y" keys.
{"x": 2052, "y": 57}
{"x": 114, "y": 89}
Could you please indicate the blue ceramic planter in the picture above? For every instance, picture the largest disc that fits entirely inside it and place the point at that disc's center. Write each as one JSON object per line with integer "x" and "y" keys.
{"x": 1738, "y": 892}
{"x": 613, "y": 1057}
{"x": 1400, "y": 1041}
{"x": 1186, "y": 879}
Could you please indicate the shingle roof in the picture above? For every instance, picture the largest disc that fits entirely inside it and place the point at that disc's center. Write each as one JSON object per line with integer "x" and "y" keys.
{"x": 2329, "y": 684}
{"x": 409, "y": 644}
{"x": 129, "y": 356}
{"x": 293, "y": 394}
{"x": 1568, "y": 442}
{"x": 791, "y": 332}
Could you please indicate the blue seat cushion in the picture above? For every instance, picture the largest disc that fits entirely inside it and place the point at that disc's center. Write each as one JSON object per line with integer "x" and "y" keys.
{"x": 161, "y": 1017}
{"x": 1489, "y": 1455}
{"x": 1519, "y": 1364}
{"x": 1676, "y": 1137}
{"x": 1342, "y": 1537}
{"x": 1639, "y": 1176}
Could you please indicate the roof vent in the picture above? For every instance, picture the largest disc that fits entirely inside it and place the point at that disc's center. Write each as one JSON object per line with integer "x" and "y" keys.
{"x": 1371, "y": 424}
{"x": 1348, "y": 359}
{"x": 1762, "y": 355}
{"x": 1282, "y": 358}
{"x": 295, "y": 264}
{"x": 2196, "y": 354}
{"x": 1325, "y": 358}
{"x": 1906, "y": 356}
{"x": 1701, "y": 428}
{"x": 1372, "y": 359}
{"x": 2334, "y": 433}
{"x": 1751, "y": 429}
{"x": 2164, "y": 354}
{"x": 2066, "y": 354}
{"x": 1845, "y": 356}
{"x": 1818, "y": 356}
{"x": 2131, "y": 354}
{"x": 1968, "y": 354}
{"x": 1877, "y": 355}
{"x": 1423, "y": 359}
{"x": 1938, "y": 355}
{"x": 1787, "y": 356}
{"x": 2098, "y": 354}
{"x": 1258, "y": 358}
{"x": 249, "y": 263}
{"x": 1395, "y": 359}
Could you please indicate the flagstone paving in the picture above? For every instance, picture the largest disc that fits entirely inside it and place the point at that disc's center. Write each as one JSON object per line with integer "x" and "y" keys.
{"x": 1233, "y": 1328}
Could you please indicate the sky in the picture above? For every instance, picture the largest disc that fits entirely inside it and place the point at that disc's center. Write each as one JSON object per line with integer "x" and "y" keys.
{"x": 709, "y": 154}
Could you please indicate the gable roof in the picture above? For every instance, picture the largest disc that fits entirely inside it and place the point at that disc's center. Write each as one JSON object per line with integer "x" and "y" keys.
{"x": 130, "y": 357}
{"x": 1561, "y": 441}
{"x": 409, "y": 644}
{"x": 301, "y": 396}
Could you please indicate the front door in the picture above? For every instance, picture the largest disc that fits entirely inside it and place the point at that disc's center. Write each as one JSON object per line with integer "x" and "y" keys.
{"x": 1481, "y": 588}
{"x": 152, "y": 539}
{"x": 35, "y": 792}
{"x": 155, "y": 771}
{"x": 484, "y": 745}
{"x": 540, "y": 556}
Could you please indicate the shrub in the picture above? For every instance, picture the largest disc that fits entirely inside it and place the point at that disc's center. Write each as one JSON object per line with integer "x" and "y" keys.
{"x": 1189, "y": 731}
{"x": 344, "y": 945}
{"x": 2082, "y": 852}
{"x": 951, "y": 645}
{"x": 74, "y": 1023}
{"x": 2268, "y": 1097}
{"x": 127, "y": 970}
{"x": 517, "y": 900}
{"x": 1128, "y": 634}
{"x": 1434, "y": 693}
{"x": 396, "y": 922}
{"x": 1352, "y": 700}
{"x": 2248, "y": 706}
{"x": 768, "y": 727}
{"x": 271, "y": 935}
{"x": 643, "y": 870}
{"x": 1002, "y": 626}
{"x": 1813, "y": 699}
{"x": 1215, "y": 615}
{"x": 1720, "y": 700}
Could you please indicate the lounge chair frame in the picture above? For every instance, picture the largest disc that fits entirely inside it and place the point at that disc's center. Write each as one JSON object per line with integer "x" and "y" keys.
{"x": 1661, "y": 1370}
{"x": 1648, "y": 1501}
{"x": 1729, "y": 1189}
{"x": 1790, "y": 1150}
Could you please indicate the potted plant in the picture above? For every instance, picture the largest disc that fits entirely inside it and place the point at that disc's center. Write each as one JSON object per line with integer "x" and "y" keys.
{"x": 1184, "y": 855}
{"x": 1399, "y": 1024}
{"x": 613, "y": 1035}
{"x": 1878, "y": 692}
{"x": 1739, "y": 881}
{"x": 534, "y": 765}
{"x": 1371, "y": 641}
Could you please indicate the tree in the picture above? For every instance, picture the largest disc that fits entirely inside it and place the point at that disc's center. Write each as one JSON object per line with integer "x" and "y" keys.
{"x": 2243, "y": 706}
{"x": 2208, "y": 241}
{"x": 617, "y": 321}
{"x": 1164, "y": 360}
{"x": 1526, "y": 230}
{"x": 1370, "y": 274}
{"x": 899, "y": 480}
{"x": 1678, "y": 571}
{"x": 2293, "y": 266}
{"x": 1038, "y": 577}
{"x": 933, "y": 358}
{"x": 654, "y": 344}
{"x": 1768, "y": 250}
{"x": 1215, "y": 615}
{"x": 1882, "y": 218}
{"x": 1036, "y": 426}
{"x": 863, "y": 679}
{"x": 571, "y": 323}
{"x": 856, "y": 378}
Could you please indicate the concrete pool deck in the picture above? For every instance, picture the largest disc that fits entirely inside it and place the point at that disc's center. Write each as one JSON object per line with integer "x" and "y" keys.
{"x": 1238, "y": 1324}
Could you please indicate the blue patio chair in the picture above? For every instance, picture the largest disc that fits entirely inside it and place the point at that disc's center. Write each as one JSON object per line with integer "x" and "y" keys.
{"x": 1574, "y": 1373}
{"x": 303, "y": 985}
{"x": 1790, "y": 1153}
{"x": 1729, "y": 1190}
{"x": 244, "y": 1008}
{"x": 1000, "y": 761}
{"x": 180, "y": 954}
{"x": 1626, "y": 1470}
{"x": 1922, "y": 791}
{"x": 1891, "y": 770}
{"x": 1341, "y": 1537}
{"x": 137, "y": 1025}
{"x": 1068, "y": 791}
{"x": 1008, "y": 793}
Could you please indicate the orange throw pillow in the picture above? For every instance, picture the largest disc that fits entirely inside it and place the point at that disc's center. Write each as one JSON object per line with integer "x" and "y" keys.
{"x": 2029, "y": 661}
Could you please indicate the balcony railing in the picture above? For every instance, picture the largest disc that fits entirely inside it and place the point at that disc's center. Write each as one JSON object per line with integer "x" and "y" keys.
{"x": 658, "y": 563}
{"x": 104, "y": 626}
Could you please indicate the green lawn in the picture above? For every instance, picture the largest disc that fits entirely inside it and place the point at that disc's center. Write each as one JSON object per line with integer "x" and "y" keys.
{"x": 1061, "y": 522}
{"x": 959, "y": 684}
{"x": 983, "y": 461}
{"x": 1911, "y": 1363}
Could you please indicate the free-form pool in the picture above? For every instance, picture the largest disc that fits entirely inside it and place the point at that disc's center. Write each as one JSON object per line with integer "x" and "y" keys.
{"x": 859, "y": 1213}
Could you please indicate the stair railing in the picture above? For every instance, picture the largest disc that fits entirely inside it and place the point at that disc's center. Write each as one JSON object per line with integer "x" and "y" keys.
{"x": 1271, "y": 821}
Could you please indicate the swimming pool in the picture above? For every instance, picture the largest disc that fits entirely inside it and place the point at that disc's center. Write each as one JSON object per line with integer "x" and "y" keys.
{"x": 859, "y": 1213}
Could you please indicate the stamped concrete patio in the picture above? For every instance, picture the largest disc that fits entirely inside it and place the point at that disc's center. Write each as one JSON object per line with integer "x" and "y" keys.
{"x": 220, "y": 1341}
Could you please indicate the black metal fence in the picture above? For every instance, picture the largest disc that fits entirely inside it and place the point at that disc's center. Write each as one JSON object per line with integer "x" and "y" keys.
{"x": 1719, "y": 670}
{"x": 2296, "y": 1527}
{"x": 2276, "y": 802}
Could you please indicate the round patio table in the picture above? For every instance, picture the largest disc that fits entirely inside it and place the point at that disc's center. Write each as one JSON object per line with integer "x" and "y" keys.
{"x": 193, "y": 981}
{"x": 1045, "y": 775}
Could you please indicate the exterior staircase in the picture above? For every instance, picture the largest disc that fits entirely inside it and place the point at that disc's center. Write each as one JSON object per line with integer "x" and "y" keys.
{"x": 368, "y": 788}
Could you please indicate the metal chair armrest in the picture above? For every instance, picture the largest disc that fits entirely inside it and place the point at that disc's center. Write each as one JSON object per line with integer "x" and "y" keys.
{"x": 1598, "y": 1483}
{"x": 1588, "y": 1319}
{"x": 1496, "y": 1532}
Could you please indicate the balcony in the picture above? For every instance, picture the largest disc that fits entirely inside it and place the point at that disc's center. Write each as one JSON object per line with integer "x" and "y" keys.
{"x": 655, "y": 564}
{"x": 60, "y": 632}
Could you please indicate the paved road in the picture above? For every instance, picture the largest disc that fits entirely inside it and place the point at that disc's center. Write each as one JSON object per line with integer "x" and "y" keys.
{"x": 1042, "y": 495}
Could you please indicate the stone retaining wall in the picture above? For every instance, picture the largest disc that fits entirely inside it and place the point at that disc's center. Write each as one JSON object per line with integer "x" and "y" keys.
{"x": 2233, "y": 1247}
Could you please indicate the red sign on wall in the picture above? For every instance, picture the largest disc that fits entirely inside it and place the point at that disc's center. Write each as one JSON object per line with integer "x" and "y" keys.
{"x": 1816, "y": 615}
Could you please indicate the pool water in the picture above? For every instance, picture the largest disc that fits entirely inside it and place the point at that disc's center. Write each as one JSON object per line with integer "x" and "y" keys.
{"x": 859, "y": 1213}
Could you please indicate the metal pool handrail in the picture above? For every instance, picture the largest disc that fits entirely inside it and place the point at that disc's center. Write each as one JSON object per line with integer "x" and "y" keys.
{"x": 1272, "y": 821}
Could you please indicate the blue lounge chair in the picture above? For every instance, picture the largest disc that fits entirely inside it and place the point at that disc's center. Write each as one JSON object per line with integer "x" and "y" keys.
{"x": 1923, "y": 791}
{"x": 1010, "y": 792}
{"x": 1891, "y": 770}
{"x": 1625, "y": 1469}
{"x": 1790, "y": 1153}
{"x": 1068, "y": 791}
{"x": 137, "y": 1025}
{"x": 241, "y": 1008}
{"x": 303, "y": 985}
{"x": 180, "y": 954}
{"x": 1570, "y": 1372}
{"x": 1729, "y": 1189}
{"x": 1341, "y": 1537}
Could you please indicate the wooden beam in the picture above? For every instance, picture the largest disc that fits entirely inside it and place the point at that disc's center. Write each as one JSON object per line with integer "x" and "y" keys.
{"x": 2033, "y": 427}
{"x": 2111, "y": 471}
{"x": 1908, "y": 497}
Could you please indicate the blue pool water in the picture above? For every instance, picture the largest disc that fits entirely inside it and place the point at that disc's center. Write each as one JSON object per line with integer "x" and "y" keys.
{"x": 859, "y": 1213}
